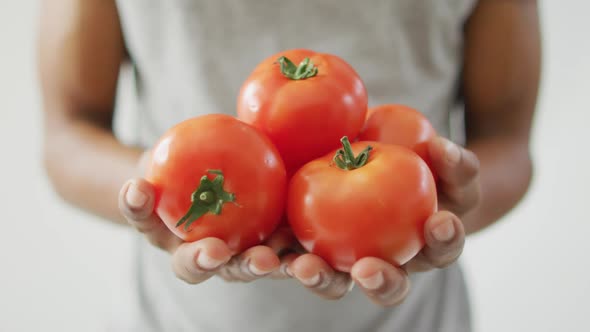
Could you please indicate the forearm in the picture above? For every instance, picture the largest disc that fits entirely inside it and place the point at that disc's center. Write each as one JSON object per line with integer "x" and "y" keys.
{"x": 87, "y": 166}
{"x": 505, "y": 175}
{"x": 501, "y": 74}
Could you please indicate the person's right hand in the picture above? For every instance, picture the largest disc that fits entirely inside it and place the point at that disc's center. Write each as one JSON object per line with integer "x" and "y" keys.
{"x": 196, "y": 262}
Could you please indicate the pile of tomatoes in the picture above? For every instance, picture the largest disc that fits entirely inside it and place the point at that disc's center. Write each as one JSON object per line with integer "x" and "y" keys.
{"x": 288, "y": 155}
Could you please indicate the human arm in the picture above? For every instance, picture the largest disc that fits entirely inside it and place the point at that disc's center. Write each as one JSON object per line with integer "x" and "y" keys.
{"x": 80, "y": 51}
{"x": 481, "y": 182}
{"x": 500, "y": 84}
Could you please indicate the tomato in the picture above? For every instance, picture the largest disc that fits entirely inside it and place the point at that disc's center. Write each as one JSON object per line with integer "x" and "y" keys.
{"x": 399, "y": 125}
{"x": 304, "y": 109}
{"x": 372, "y": 205}
{"x": 216, "y": 176}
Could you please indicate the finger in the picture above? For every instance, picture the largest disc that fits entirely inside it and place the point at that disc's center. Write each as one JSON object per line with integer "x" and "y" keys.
{"x": 252, "y": 264}
{"x": 283, "y": 271}
{"x": 196, "y": 262}
{"x": 445, "y": 237}
{"x": 315, "y": 274}
{"x": 453, "y": 164}
{"x": 136, "y": 203}
{"x": 286, "y": 247}
{"x": 383, "y": 283}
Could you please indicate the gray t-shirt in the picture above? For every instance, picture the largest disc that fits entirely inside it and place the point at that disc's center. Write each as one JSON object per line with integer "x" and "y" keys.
{"x": 190, "y": 58}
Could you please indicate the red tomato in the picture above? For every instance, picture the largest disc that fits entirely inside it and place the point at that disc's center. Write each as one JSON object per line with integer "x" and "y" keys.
{"x": 304, "y": 109}
{"x": 216, "y": 176}
{"x": 375, "y": 208}
{"x": 399, "y": 125}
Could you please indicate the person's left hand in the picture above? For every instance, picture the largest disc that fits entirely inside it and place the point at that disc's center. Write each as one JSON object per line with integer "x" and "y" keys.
{"x": 384, "y": 283}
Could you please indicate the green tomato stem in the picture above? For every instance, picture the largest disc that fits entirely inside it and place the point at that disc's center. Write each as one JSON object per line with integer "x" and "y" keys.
{"x": 306, "y": 69}
{"x": 209, "y": 197}
{"x": 345, "y": 158}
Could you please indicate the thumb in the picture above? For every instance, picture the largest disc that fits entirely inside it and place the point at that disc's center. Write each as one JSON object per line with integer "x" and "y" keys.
{"x": 136, "y": 203}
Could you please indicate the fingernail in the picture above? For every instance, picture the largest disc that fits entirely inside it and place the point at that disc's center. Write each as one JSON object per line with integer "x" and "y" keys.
{"x": 135, "y": 197}
{"x": 373, "y": 282}
{"x": 350, "y": 287}
{"x": 256, "y": 271}
{"x": 312, "y": 281}
{"x": 287, "y": 271}
{"x": 207, "y": 262}
{"x": 444, "y": 232}
{"x": 453, "y": 152}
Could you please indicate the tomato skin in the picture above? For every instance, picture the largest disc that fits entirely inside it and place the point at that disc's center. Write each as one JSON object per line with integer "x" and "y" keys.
{"x": 256, "y": 175}
{"x": 399, "y": 125}
{"x": 304, "y": 118}
{"x": 378, "y": 210}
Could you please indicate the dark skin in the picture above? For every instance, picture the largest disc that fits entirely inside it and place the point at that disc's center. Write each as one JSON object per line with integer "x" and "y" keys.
{"x": 81, "y": 49}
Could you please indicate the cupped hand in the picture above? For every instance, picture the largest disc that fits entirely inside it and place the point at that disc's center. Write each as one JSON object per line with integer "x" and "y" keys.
{"x": 198, "y": 261}
{"x": 382, "y": 282}
{"x": 444, "y": 234}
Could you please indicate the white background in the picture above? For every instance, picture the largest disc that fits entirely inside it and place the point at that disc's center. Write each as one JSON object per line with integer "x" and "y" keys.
{"x": 62, "y": 271}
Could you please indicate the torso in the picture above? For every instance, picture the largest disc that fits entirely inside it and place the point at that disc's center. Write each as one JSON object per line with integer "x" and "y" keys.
{"x": 190, "y": 58}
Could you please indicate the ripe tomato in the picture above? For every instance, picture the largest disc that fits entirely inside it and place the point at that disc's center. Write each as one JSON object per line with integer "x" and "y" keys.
{"x": 399, "y": 125}
{"x": 373, "y": 205}
{"x": 216, "y": 176}
{"x": 304, "y": 109}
